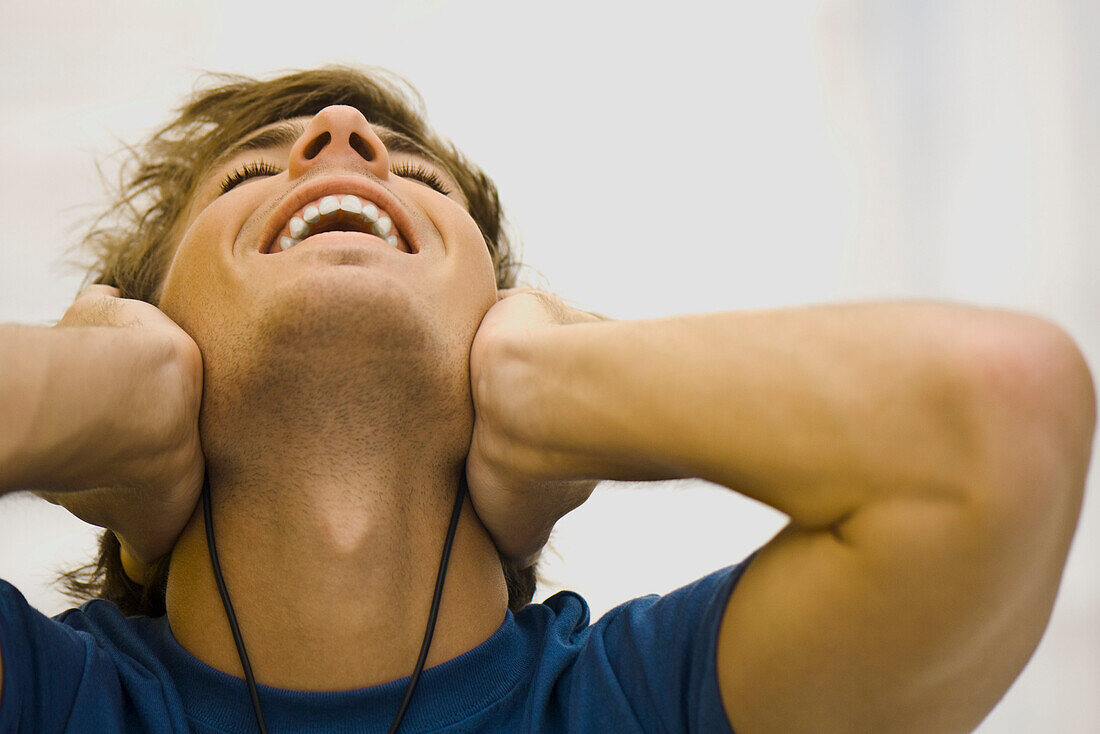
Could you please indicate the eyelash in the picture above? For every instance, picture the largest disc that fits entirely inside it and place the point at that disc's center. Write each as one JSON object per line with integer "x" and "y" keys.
{"x": 424, "y": 175}
{"x": 248, "y": 171}
{"x": 261, "y": 168}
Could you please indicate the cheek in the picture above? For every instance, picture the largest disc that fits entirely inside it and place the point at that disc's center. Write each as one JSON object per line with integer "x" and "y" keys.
{"x": 474, "y": 281}
{"x": 464, "y": 242}
{"x": 196, "y": 286}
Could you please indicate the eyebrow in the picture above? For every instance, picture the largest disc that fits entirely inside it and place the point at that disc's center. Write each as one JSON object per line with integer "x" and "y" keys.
{"x": 286, "y": 133}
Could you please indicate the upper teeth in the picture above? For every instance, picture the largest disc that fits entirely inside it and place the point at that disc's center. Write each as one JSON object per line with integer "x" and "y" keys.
{"x": 300, "y": 227}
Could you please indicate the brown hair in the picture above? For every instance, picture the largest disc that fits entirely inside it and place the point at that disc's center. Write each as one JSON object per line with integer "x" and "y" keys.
{"x": 133, "y": 242}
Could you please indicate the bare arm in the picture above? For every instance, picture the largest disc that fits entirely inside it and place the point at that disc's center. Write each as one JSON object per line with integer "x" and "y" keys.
{"x": 104, "y": 420}
{"x": 931, "y": 457}
{"x": 99, "y": 414}
{"x": 76, "y": 405}
{"x": 68, "y": 398}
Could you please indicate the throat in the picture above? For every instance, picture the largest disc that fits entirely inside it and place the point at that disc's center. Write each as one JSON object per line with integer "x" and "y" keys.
{"x": 368, "y": 589}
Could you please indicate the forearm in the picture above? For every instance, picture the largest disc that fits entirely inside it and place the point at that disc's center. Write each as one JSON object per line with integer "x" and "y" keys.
{"x": 815, "y": 410}
{"x": 75, "y": 405}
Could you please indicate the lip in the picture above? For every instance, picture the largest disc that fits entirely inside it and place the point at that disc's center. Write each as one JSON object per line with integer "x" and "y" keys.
{"x": 361, "y": 186}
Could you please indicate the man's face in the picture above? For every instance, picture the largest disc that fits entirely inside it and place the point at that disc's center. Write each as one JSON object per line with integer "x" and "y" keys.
{"x": 313, "y": 307}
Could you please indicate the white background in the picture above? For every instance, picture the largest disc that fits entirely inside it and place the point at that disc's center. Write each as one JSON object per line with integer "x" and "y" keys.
{"x": 681, "y": 158}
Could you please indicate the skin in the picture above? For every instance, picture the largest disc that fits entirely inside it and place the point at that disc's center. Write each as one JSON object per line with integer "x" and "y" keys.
{"x": 335, "y": 423}
{"x": 908, "y": 591}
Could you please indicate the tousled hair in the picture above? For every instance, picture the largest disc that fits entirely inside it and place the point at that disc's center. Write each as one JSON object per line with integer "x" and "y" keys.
{"x": 133, "y": 241}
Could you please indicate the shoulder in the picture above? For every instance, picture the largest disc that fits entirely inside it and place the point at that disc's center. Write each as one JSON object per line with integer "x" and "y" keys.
{"x": 567, "y": 613}
{"x": 87, "y": 663}
{"x": 647, "y": 664}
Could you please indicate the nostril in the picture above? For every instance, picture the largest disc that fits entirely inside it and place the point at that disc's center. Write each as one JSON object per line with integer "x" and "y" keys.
{"x": 361, "y": 147}
{"x": 315, "y": 147}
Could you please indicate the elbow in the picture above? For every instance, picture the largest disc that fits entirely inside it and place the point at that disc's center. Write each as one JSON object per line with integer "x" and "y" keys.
{"x": 1032, "y": 419}
{"x": 1040, "y": 376}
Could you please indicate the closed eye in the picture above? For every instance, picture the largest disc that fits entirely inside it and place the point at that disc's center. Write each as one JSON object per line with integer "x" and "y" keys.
{"x": 424, "y": 175}
{"x": 247, "y": 171}
{"x": 405, "y": 170}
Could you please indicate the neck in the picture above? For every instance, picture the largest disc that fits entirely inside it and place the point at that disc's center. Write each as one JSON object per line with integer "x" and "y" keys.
{"x": 332, "y": 579}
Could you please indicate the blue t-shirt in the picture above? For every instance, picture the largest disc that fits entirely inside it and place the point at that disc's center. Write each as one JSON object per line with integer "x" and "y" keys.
{"x": 648, "y": 665}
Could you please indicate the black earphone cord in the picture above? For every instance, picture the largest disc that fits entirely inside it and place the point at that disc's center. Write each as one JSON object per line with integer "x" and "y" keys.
{"x": 251, "y": 680}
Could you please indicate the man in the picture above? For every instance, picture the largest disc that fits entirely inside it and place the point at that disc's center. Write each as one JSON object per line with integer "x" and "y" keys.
{"x": 335, "y": 347}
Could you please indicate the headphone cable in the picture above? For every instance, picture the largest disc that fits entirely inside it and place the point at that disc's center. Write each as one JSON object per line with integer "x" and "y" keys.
{"x": 235, "y": 628}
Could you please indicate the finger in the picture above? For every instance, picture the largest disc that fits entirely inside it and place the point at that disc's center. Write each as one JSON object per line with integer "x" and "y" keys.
{"x": 101, "y": 289}
{"x": 135, "y": 570}
{"x": 505, "y": 292}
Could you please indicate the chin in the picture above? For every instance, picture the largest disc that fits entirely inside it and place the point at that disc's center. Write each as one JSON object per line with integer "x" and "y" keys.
{"x": 343, "y": 307}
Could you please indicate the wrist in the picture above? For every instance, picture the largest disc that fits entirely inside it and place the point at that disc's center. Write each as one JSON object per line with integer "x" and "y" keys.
{"x": 92, "y": 410}
{"x": 553, "y": 392}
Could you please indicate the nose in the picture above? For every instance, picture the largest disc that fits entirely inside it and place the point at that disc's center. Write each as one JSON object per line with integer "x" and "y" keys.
{"x": 339, "y": 137}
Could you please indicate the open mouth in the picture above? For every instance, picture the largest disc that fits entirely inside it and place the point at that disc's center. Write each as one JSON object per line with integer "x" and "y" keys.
{"x": 348, "y": 214}
{"x": 339, "y": 236}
